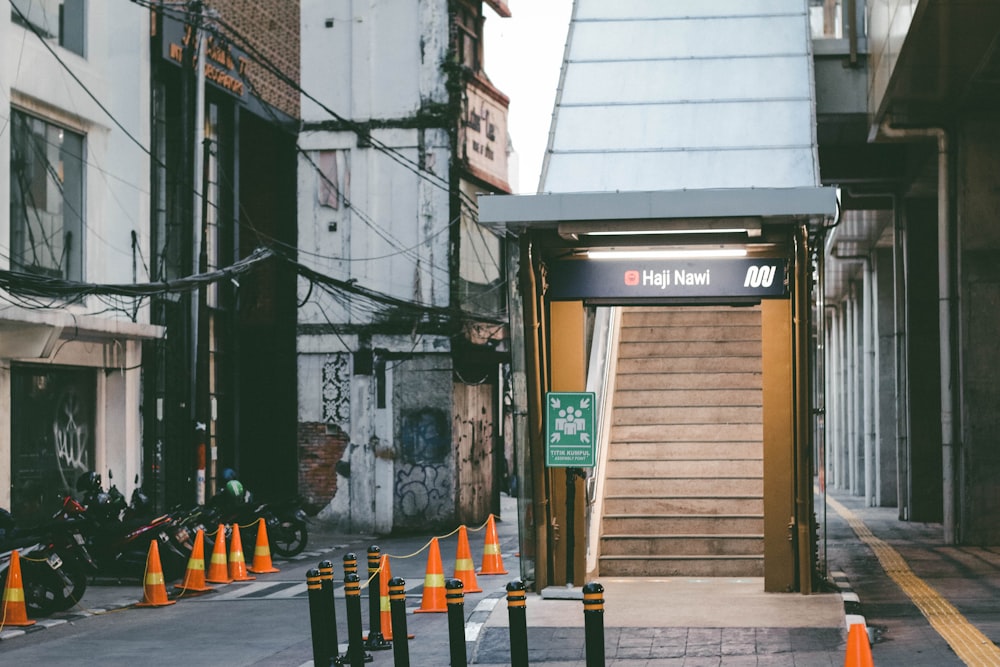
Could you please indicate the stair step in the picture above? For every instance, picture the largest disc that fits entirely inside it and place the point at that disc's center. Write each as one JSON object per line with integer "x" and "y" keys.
{"x": 665, "y": 524}
{"x": 664, "y": 451}
{"x": 685, "y": 486}
{"x": 682, "y": 545}
{"x": 704, "y": 415}
{"x": 719, "y": 566}
{"x": 686, "y": 468}
{"x": 705, "y": 432}
{"x": 703, "y": 348}
{"x": 658, "y": 398}
{"x": 718, "y": 317}
{"x": 689, "y": 363}
{"x": 675, "y": 332}
{"x": 683, "y": 505}
{"x": 688, "y": 381}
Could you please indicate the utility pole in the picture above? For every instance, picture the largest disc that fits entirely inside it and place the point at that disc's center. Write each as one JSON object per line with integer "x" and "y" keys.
{"x": 199, "y": 323}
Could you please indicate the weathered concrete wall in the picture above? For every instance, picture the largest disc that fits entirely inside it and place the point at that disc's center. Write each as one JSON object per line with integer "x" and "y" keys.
{"x": 424, "y": 478}
{"x": 978, "y": 205}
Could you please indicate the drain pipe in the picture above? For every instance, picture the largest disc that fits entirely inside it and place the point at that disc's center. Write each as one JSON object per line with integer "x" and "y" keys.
{"x": 944, "y": 317}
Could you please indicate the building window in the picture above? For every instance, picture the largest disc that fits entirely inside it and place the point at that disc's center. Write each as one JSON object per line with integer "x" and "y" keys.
{"x": 63, "y": 21}
{"x": 467, "y": 34}
{"x": 46, "y": 198}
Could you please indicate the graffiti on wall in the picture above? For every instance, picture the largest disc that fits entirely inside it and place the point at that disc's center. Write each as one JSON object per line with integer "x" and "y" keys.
{"x": 423, "y": 478}
{"x": 337, "y": 390}
{"x": 422, "y": 493}
{"x": 71, "y": 437}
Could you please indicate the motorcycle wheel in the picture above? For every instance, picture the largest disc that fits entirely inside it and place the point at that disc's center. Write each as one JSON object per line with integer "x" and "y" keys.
{"x": 288, "y": 539}
{"x": 47, "y": 591}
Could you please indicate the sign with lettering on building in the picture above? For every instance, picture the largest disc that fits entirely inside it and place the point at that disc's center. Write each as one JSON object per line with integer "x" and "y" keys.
{"x": 626, "y": 280}
{"x": 484, "y": 132}
{"x": 225, "y": 64}
{"x": 570, "y": 436}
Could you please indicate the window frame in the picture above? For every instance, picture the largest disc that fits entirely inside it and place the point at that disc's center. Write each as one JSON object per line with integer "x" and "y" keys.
{"x": 30, "y": 131}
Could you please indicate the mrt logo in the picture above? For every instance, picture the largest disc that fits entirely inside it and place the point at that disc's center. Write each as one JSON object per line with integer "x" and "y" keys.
{"x": 631, "y": 278}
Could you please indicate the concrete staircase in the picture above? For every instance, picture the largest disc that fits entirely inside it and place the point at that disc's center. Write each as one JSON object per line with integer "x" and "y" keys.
{"x": 683, "y": 491}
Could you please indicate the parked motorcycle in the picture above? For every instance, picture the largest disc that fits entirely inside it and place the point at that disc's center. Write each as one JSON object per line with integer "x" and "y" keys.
{"x": 118, "y": 533}
{"x": 54, "y": 563}
{"x": 286, "y": 522}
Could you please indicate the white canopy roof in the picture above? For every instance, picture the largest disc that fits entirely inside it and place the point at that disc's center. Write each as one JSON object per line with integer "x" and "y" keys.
{"x": 684, "y": 94}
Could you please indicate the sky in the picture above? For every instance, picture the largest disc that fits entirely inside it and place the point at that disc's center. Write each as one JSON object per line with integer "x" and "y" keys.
{"x": 523, "y": 56}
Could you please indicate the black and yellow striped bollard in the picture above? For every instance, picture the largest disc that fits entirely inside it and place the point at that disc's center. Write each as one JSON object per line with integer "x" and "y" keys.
{"x": 376, "y": 640}
{"x": 326, "y": 579}
{"x": 397, "y": 608}
{"x": 317, "y": 619}
{"x": 455, "y": 597}
{"x": 593, "y": 623}
{"x": 356, "y": 656}
{"x": 517, "y": 615}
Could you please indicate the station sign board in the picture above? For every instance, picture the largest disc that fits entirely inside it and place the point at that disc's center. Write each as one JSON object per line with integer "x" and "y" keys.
{"x": 668, "y": 279}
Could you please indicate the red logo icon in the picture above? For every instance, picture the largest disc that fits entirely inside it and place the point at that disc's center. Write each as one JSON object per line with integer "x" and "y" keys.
{"x": 631, "y": 278}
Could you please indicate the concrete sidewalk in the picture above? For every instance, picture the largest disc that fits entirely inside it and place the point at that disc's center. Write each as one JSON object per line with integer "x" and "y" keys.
{"x": 682, "y": 621}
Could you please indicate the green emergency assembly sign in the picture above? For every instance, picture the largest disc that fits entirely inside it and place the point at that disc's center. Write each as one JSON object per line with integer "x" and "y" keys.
{"x": 570, "y": 439}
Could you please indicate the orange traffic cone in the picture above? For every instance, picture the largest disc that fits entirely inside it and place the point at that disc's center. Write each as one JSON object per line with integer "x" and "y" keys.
{"x": 385, "y": 608}
{"x": 859, "y": 652}
{"x": 492, "y": 561}
{"x": 464, "y": 568}
{"x": 262, "y": 551}
{"x": 237, "y": 565}
{"x": 194, "y": 576}
{"x": 218, "y": 570}
{"x": 154, "y": 591}
{"x": 433, "y": 598}
{"x": 14, "y": 610}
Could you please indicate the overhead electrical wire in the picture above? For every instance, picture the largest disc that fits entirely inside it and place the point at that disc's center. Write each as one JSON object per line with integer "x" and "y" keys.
{"x": 24, "y": 288}
{"x": 184, "y": 15}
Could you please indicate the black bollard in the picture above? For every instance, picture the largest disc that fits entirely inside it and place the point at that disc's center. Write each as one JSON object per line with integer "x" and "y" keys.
{"x": 397, "y": 604}
{"x": 356, "y": 656}
{"x": 317, "y": 620}
{"x": 375, "y": 640}
{"x": 593, "y": 623}
{"x": 326, "y": 579}
{"x": 350, "y": 564}
{"x": 455, "y": 597}
{"x": 517, "y": 615}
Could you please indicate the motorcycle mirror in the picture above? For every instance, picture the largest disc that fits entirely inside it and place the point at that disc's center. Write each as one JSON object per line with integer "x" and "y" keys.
{"x": 110, "y": 476}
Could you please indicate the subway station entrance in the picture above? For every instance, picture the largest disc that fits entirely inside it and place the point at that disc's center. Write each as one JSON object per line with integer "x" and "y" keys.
{"x": 689, "y": 316}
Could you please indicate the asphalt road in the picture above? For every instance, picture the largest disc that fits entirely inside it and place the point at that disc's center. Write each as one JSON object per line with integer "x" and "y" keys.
{"x": 263, "y": 622}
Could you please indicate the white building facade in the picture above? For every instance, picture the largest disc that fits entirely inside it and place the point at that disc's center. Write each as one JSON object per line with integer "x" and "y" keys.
{"x": 401, "y": 352}
{"x": 74, "y": 182}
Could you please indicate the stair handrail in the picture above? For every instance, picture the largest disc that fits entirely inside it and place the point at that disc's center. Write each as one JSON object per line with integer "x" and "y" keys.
{"x": 601, "y": 374}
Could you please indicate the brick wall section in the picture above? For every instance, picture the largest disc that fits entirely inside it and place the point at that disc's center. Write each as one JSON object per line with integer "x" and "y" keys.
{"x": 319, "y": 452}
{"x": 272, "y": 26}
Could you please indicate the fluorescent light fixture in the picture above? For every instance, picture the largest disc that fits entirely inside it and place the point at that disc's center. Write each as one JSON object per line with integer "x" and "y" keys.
{"x": 635, "y": 232}
{"x": 749, "y": 226}
{"x": 675, "y": 253}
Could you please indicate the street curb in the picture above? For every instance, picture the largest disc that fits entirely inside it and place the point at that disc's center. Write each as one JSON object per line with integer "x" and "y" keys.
{"x": 852, "y": 604}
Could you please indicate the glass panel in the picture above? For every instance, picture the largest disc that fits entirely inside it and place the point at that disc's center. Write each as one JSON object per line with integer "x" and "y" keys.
{"x": 825, "y": 19}
{"x": 63, "y": 21}
{"x": 46, "y": 203}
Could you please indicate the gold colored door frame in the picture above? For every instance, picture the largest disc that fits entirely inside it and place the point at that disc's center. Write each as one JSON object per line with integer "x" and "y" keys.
{"x": 555, "y": 346}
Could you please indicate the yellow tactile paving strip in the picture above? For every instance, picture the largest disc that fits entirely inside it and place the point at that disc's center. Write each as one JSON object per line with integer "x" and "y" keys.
{"x": 970, "y": 645}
